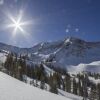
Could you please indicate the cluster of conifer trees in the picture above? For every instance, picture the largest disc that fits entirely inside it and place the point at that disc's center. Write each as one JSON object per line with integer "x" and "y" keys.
{"x": 77, "y": 84}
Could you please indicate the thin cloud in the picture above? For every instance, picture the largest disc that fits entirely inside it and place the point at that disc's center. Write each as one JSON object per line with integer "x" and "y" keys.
{"x": 16, "y": 1}
{"x": 77, "y": 30}
{"x": 1, "y": 2}
{"x": 67, "y": 30}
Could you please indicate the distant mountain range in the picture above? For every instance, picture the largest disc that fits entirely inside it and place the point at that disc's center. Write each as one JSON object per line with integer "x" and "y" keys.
{"x": 67, "y": 52}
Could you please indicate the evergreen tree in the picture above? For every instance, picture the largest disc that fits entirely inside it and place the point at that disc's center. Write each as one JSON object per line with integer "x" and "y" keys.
{"x": 53, "y": 85}
{"x": 68, "y": 83}
{"x": 93, "y": 93}
{"x": 85, "y": 91}
{"x": 74, "y": 86}
{"x": 80, "y": 85}
{"x": 98, "y": 91}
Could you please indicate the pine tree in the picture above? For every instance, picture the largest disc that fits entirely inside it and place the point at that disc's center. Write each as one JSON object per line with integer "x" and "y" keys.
{"x": 98, "y": 91}
{"x": 8, "y": 64}
{"x": 42, "y": 85}
{"x": 68, "y": 83}
{"x": 93, "y": 93}
{"x": 53, "y": 85}
{"x": 74, "y": 86}
{"x": 85, "y": 91}
{"x": 80, "y": 85}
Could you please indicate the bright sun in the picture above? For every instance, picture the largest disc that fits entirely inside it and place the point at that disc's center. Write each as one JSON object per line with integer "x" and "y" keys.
{"x": 17, "y": 25}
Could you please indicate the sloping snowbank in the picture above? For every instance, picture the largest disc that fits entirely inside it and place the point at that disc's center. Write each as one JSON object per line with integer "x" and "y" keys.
{"x": 13, "y": 89}
{"x": 69, "y": 95}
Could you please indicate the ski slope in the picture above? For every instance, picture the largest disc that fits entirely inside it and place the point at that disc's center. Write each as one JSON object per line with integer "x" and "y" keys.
{"x": 13, "y": 89}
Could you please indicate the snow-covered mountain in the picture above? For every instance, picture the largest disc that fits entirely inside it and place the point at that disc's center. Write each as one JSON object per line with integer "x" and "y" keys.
{"x": 64, "y": 53}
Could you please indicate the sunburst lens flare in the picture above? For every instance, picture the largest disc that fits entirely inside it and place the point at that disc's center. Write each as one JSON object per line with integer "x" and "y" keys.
{"x": 17, "y": 25}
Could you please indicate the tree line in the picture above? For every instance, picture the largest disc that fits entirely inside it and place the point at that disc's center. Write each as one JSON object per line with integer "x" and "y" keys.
{"x": 80, "y": 84}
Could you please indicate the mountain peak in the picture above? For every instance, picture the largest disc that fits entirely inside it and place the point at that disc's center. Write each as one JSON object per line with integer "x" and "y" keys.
{"x": 73, "y": 40}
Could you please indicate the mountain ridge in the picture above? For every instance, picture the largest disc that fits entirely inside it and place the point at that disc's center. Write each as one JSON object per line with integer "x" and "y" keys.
{"x": 67, "y": 52}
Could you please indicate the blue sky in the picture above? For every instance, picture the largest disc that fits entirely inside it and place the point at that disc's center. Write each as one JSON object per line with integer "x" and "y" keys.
{"x": 51, "y": 20}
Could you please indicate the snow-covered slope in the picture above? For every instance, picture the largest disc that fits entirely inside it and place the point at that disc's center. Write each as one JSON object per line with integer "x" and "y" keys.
{"x": 12, "y": 89}
{"x": 69, "y": 95}
{"x": 93, "y": 67}
{"x": 93, "y": 80}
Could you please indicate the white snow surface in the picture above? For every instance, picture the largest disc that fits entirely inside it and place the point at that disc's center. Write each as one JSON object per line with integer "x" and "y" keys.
{"x": 69, "y": 95}
{"x": 2, "y": 57}
{"x": 93, "y": 67}
{"x": 93, "y": 80}
{"x": 13, "y": 89}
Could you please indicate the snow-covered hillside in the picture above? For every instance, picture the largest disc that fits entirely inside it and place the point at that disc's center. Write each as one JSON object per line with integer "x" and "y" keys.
{"x": 12, "y": 89}
{"x": 93, "y": 67}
